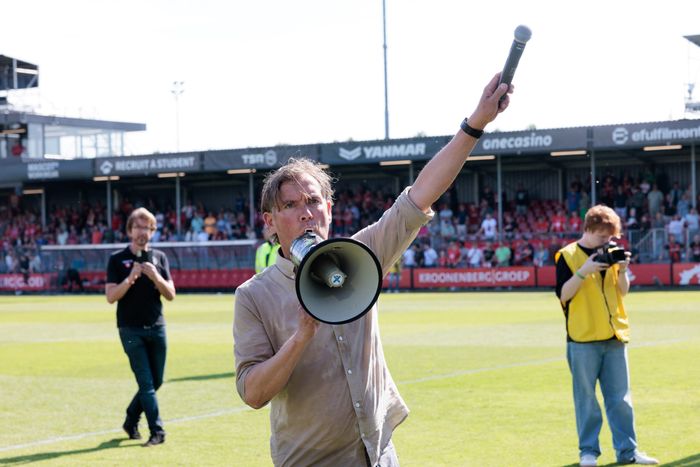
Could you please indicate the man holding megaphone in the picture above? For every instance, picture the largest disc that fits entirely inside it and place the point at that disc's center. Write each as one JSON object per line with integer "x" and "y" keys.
{"x": 334, "y": 401}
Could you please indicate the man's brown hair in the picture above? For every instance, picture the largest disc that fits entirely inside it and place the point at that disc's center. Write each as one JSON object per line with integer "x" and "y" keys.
{"x": 141, "y": 214}
{"x": 601, "y": 217}
{"x": 292, "y": 171}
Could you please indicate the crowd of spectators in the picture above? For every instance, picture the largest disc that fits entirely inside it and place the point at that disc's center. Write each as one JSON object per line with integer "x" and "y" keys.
{"x": 462, "y": 234}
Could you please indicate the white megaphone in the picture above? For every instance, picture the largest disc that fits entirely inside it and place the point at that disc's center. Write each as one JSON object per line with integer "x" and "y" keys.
{"x": 337, "y": 280}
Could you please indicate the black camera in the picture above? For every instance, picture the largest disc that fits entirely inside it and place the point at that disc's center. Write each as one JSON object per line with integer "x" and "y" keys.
{"x": 611, "y": 254}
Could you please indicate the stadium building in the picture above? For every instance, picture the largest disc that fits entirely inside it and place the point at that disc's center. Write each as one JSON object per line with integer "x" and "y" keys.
{"x": 53, "y": 165}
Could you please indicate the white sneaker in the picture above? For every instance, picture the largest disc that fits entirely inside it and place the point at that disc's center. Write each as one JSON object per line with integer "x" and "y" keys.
{"x": 643, "y": 459}
{"x": 588, "y": 460}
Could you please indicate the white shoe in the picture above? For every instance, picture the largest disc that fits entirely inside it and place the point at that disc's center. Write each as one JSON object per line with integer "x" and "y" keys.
{"x": 588, "y": 460}
{"x": 643, "y": 459}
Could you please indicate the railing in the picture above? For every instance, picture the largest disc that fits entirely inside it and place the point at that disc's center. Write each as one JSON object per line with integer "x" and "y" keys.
{"x": 650, "y": 244}
{"x": 184, "y": 256}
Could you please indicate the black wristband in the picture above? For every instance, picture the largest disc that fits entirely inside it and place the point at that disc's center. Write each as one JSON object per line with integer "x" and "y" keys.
{"x": 473, "y": 132}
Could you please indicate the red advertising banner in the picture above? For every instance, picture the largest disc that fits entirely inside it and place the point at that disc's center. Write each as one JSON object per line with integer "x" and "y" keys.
{"x": 650, "y": 274}
{"x": 35, "y": 282}
{"x": 686, "y": 274}
{"x": 480, "y": 277}
{"x": 546, "y": 276}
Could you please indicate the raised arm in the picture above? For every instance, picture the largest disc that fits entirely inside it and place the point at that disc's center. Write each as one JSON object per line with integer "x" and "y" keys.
{"x": 442, "y": 169}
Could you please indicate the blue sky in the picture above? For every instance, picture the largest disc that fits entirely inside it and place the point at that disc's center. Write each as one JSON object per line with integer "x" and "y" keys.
{"x": 269, "y": 72}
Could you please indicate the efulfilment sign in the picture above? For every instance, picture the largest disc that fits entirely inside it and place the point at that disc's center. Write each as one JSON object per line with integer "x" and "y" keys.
{"x": 147, "y": 165}
{"x": 643, "y": 134}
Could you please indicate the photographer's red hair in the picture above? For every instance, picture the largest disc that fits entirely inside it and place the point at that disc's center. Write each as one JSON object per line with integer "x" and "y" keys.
{"x": 601, "y": 217}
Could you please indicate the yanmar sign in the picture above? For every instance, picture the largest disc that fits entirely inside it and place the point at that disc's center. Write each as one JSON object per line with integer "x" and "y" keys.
{"x": 416, "y": 149}
{"x": 381, "y": 152}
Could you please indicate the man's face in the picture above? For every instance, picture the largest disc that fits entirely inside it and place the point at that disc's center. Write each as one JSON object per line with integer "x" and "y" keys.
{"x": 140, "y": 234}
{"x": 302, "y": 207}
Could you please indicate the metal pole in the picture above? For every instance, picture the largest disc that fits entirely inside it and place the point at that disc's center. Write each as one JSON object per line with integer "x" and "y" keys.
{"x": 693, "y": 179}
{"x": 43, "y": 209}
{"x": 109, "y": 204}
{"x": 499, "y": 191}
{"x": 251, "y": 197}
{"x": 560, "y": 183}
{"x": 386, "y": 84}
{"x": 476, "y": 188}
{"x": 177, "y": 90}
{"x": 178, "y": 223}
{"x": 593, "y": 187}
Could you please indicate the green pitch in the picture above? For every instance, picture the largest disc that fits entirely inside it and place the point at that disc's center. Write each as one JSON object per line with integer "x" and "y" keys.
{"x": 483, "y": 373}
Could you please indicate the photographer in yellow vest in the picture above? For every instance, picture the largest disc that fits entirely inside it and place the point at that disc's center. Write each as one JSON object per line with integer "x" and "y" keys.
{"x": 591, "y": 282}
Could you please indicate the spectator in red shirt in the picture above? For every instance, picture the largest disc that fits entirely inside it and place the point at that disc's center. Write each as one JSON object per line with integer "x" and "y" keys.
{"x": 454, "y": 255}
{"x": 541, "y": 226}
{"x": 558, "y": 224}
{"x": 674, "y": 250}
{"x": 574, "y": 223}
{"x": 97, "y": 234}
{"x": 443, "y": 261}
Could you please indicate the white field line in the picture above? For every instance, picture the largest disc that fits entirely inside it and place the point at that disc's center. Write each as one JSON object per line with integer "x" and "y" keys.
{"x": 57, "y": 439}
{"x": 219, "y": 413}
{"x": 527, "y": 363}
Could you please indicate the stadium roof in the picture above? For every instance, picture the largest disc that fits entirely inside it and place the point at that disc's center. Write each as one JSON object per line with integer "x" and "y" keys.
{"x": 56, "y": 126}
{"x": 17, "y": 74}
{"x": 694, "y": 39}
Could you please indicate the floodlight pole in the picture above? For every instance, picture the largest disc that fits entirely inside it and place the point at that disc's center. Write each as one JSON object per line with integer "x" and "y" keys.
{"x": 177, "y": 90}
{"x": 386, "y": 85}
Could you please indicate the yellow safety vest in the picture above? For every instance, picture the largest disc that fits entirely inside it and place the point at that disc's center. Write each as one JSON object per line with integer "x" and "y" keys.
{"x": 265, "y": 255}
{"x": 596, "y": 312}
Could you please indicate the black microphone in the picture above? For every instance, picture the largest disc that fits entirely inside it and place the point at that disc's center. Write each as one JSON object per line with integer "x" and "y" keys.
{"x": 522, "y": 35}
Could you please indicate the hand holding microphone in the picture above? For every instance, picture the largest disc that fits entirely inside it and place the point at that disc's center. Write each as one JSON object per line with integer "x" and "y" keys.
{"x": 494, "y": 100}
{"x": 135, "y": 272}
{"x": 522, "y": 34}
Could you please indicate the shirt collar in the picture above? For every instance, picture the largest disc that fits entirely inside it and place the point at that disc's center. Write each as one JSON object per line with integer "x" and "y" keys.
{"x": 285, "y": 266}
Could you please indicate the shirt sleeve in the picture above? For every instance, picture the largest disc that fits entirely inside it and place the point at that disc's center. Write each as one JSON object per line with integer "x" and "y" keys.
{"x": 391, "y": 235}
{"x": 164, "y": 267}
{"x": 563, "y": 274}
{"x": 112, "y": 273}
{"x": 251, "y": 342}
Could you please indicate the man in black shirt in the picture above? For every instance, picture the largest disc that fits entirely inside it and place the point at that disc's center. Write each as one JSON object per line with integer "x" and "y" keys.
{"x": 136, "y": 278}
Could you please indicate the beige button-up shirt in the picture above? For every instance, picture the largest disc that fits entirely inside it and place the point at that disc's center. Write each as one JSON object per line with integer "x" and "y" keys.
{"x": 340, "y": 401}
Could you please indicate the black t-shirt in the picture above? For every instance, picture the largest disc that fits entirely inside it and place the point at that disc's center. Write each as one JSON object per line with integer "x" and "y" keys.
{"x": 140, "y": 305}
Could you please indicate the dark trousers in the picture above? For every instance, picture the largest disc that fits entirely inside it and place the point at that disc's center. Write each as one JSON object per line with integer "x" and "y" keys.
{"x": 146, "y": 349}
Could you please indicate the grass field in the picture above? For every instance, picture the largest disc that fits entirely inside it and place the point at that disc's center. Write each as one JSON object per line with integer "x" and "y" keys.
{"x": 483, "y": 373}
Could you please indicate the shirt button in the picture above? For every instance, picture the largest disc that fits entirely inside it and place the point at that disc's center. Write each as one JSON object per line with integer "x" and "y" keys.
{"x": 340, "y": 338}
{"x": 362, "y": 434}
{"x": 349, "y": 372}
{"x": 357, "y": 404}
